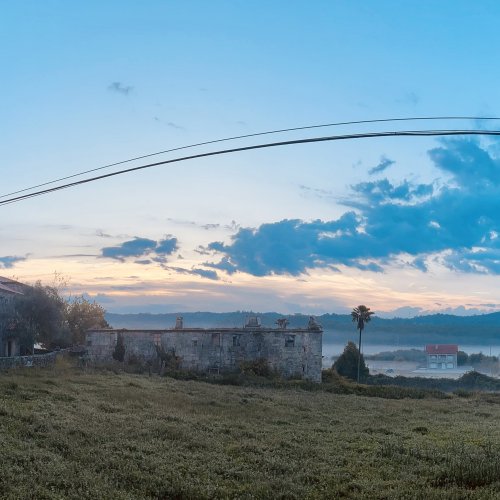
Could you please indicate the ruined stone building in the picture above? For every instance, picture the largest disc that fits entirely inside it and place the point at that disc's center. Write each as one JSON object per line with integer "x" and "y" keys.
{"x": 294, "y": 352}
{"x": 9, "y": 343}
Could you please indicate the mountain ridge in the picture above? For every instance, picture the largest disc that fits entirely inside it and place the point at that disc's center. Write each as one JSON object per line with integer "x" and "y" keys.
{"x": 435, "y": 328}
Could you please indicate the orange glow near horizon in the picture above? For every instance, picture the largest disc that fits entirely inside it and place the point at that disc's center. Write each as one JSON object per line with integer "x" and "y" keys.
{"x": 319, "y": 290}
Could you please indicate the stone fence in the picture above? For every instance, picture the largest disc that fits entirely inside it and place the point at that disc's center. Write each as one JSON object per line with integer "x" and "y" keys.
{"x": 40, "y": 360}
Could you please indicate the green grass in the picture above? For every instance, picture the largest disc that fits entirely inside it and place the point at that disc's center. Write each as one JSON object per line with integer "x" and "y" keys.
{"x": 65, "y": 433}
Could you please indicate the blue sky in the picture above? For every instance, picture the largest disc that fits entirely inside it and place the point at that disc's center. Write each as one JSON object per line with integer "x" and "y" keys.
{"x": 394, "y": 222}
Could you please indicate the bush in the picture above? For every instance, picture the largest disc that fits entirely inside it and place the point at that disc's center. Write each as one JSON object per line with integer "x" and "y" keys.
{"x": 259, "y": 367}
{"x": 462, "y": 358}
{"x": 119, "y": 352}
{"x": 347, "y": 363}
{"x": 169, "y": 362}
{"x": 470, "y": 381}
{"x": 414, "y": 355}
{"x": 336, "y": 384}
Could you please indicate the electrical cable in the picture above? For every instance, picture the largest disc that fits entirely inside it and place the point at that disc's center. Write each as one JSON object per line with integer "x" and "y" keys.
{"x": 269, "y": 132}
{"x": 401, "y": 133}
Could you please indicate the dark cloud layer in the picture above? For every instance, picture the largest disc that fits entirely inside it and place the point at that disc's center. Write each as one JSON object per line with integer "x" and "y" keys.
{"x": 142, "y": 247}
{"x": 460, "y": 222}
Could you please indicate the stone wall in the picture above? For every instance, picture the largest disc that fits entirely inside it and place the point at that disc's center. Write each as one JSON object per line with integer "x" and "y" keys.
{"x": 41, "y": 360}
{"x": 293, "y": 353}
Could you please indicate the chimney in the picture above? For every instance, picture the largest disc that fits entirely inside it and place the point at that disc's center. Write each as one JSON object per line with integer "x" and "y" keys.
{"x": 179, "y": 323}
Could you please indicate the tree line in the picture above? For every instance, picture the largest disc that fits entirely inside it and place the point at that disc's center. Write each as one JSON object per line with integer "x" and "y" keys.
{"x": 43, "y": 316}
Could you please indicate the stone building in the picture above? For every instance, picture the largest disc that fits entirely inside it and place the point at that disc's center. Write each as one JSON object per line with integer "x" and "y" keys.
{"x": 293, "y": 352}
{"x": 9, "y": 343}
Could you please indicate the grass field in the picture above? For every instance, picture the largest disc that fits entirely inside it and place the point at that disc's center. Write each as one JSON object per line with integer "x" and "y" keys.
{"x": 70, "y": 434}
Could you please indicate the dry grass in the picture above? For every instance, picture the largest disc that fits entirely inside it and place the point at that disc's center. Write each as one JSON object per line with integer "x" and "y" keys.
{"x": 70, "y": 434}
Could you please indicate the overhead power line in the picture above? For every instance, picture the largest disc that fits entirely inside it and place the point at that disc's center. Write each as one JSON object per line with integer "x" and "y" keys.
{"x": 246, "y": 136}
{"x": 400, "y": 133}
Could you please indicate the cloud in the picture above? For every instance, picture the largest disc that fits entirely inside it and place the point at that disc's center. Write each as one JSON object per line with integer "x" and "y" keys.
{"x": 132, "y": 248}
{"x": 166, "y": 246}
{"x": 401, "y": 312}
{"x": 203, "y": 250}
{"x": 100, "y": 298}
{"x": 101, "y": 234}
{"x": 384, "y": 164}
{"x": 156, "y": 251}
{"x": 104, "y": 299}
{"x": 470, "y": 164}
{"x": 420, "y": 263}
{"x": 9, "y": 261}
{"x": 143, "y": 262}
{"x": 182, "y": 222}
{"x": 384, "y": 190}
{"x": 120, "y": 88}
{"x": 174, "y": 125}
{"x": 459, "y": 224}
{"x": 224, "y": 265}
{"x": 204, "y": 273}
{"x": 232, "y": 226}
{"x": 71, "y": 255}
{"x": 291, "y": 247}
{"x": 169, "y": 124}
{"x": 320, "y": 193}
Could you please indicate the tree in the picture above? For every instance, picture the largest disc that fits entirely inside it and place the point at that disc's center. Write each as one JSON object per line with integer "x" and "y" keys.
{"x": 462, "y": 358}
{"x": 39, "y": 316}
{"x": 350, "y": 364}
{"x": 361, "y": 315}
{"x": 82, "y": 315}
{"x": 119, "y": 352}
{"x": 42, "y": 315}
{"x": 476, "y": 358}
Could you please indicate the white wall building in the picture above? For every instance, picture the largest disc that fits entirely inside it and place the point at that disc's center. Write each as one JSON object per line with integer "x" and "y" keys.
{"x": 441, "y": 356}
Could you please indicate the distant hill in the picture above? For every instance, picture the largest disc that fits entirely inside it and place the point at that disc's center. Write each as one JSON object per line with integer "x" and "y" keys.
{"x": 436, "y": 328}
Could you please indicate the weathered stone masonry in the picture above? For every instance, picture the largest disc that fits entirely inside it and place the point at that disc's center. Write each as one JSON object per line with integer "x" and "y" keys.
{"x": 292, "y": 352}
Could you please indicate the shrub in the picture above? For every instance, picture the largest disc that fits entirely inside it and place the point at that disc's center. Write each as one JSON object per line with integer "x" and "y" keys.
{"x": 462, "y": 358}
{"x": 347, "y": 363}
{"x": 259, "y": 367}
{"x": 168, "y": 360}
{"x": 119, "y": 352}
{"x": 414, "y": 355}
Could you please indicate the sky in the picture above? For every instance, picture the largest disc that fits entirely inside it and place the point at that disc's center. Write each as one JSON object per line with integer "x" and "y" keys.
{"x": 404, "y": 225}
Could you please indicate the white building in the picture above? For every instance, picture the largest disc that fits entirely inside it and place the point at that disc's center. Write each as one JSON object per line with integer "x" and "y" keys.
{"x": 441, "y": 356}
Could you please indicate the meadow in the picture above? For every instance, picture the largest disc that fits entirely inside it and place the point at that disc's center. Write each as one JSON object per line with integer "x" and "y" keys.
{"x": 72, "y": 433}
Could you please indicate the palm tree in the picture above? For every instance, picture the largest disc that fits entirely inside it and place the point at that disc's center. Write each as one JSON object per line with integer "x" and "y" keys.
{"x": 361, "y": 315}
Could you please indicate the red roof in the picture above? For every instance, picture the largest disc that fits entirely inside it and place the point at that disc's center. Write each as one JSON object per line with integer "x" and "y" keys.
{"x": 441, "y": 348}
